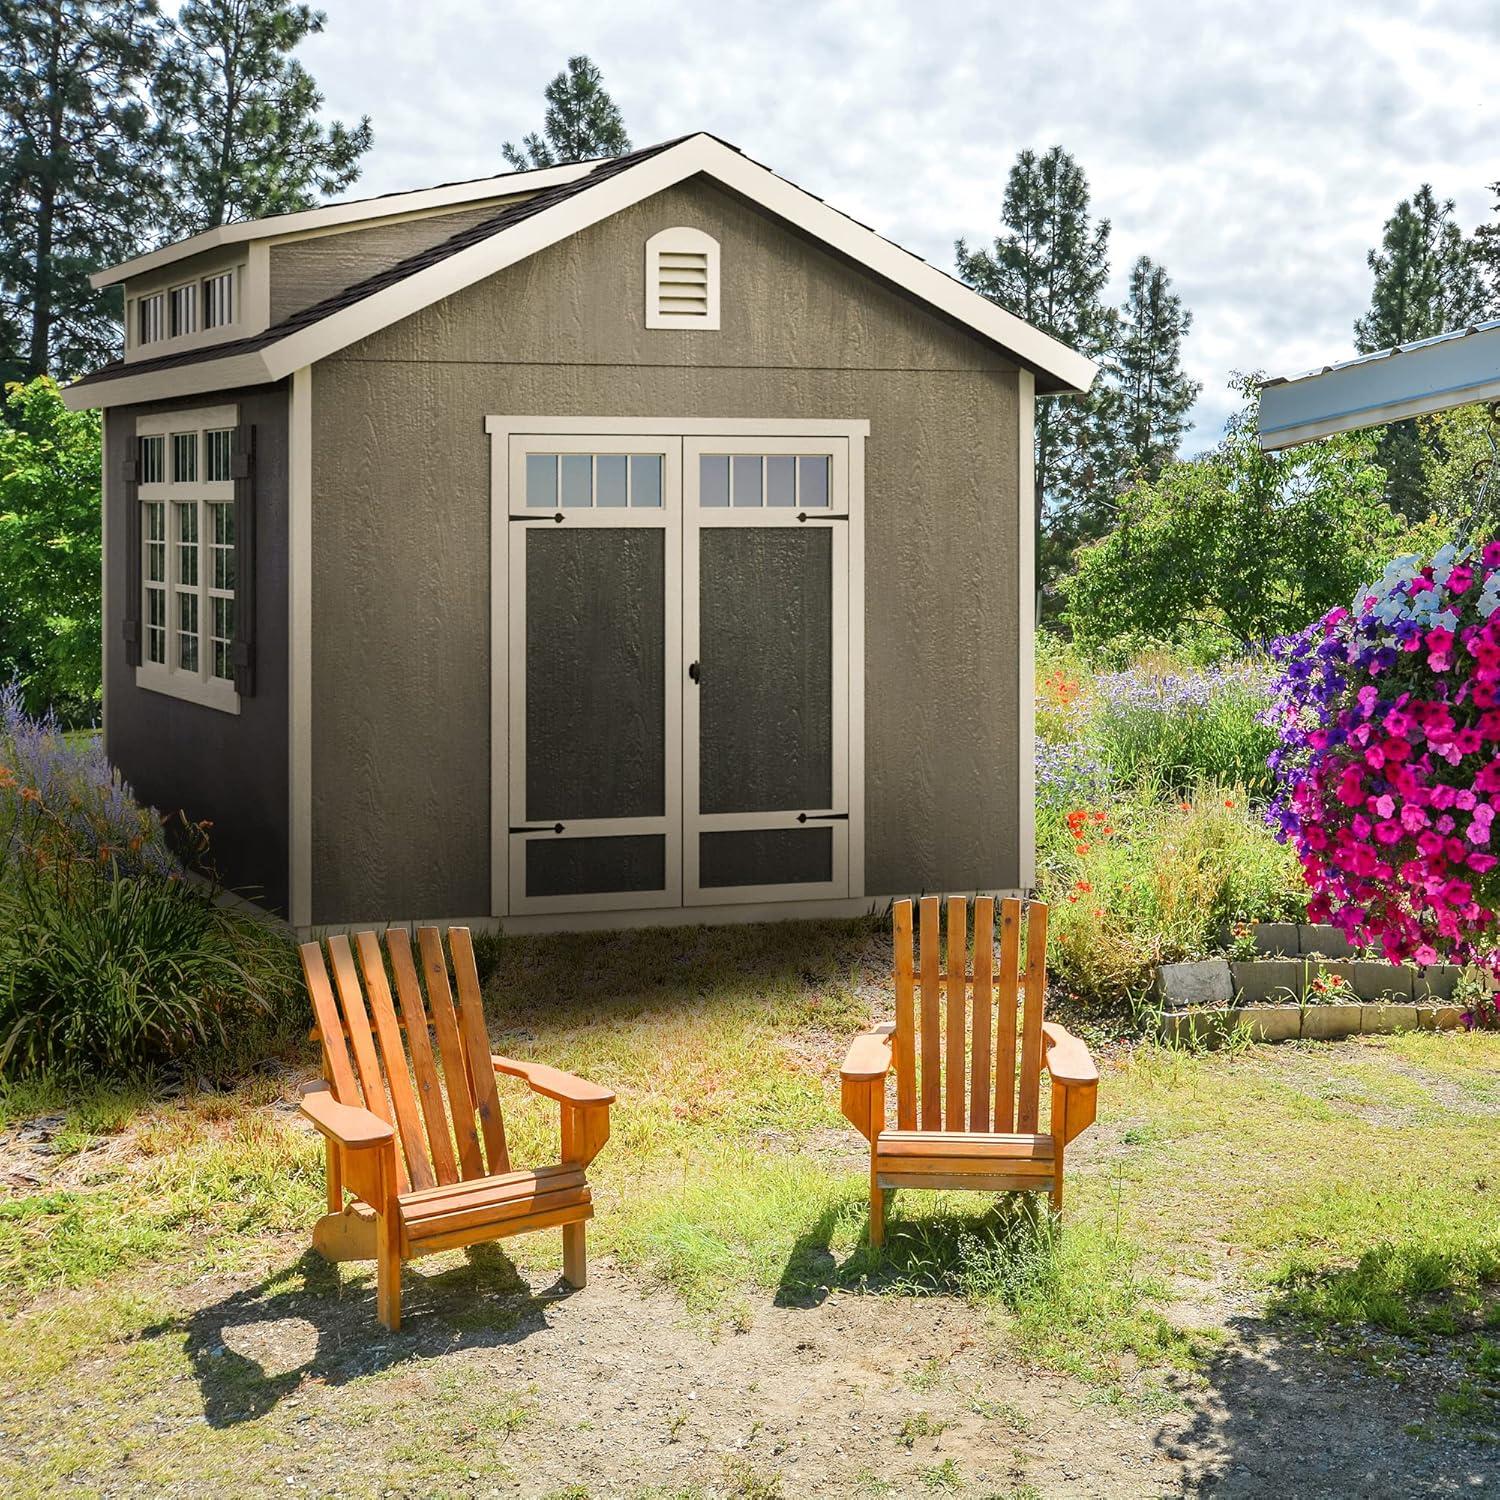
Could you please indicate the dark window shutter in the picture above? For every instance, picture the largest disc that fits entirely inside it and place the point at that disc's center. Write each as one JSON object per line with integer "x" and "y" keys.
{"x": 243, "y": 472}
{"x": 130, "y": 628}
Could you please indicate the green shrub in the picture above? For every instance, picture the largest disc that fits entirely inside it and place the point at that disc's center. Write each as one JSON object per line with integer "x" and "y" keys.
{"x": 102, "y": 975}
{"x": 1182, "y": 727}
{"x": 111, "y": 957}
{"x": 1154, "y": 877}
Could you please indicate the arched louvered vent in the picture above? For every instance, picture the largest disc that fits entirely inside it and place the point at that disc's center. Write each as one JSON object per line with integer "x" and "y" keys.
{"x": 682, "y": 279}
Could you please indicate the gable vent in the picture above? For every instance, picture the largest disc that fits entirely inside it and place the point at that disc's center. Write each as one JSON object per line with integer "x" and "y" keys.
{"x": 682, "y": 280}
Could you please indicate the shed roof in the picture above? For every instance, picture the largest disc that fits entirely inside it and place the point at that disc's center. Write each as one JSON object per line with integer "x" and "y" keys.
{"x": 562, "y": 206}
{"x": 1410, "y": 380}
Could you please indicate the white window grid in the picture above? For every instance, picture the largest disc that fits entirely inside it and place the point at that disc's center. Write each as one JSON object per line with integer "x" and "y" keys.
{"x": 186, "y": 494}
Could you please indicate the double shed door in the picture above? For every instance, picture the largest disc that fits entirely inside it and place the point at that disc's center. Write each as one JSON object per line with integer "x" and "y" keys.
{"x": 678, "y": 671}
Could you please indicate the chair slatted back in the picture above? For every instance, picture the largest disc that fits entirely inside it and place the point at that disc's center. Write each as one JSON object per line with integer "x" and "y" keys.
{"x": 375, "y": 1056}
{"x": 969, "y": 1025}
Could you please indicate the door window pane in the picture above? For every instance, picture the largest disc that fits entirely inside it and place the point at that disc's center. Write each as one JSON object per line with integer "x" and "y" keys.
{"x": 541, "y": 480}
{"x": 577, "y": 479}
{"x": 812, "y": 481}
{"x": 611, "y": 480}
{"x": 645, "y": 480}
{"x": 746, "y": 481}
{"x": 713, "y": 480}
{"x": 781, "y": 481}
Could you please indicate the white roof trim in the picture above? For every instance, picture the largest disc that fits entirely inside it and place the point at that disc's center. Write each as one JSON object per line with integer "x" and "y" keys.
{"x": 699, "y": 154}
{"x": 332, "y": 215}
{"x": 1410, "y": 380}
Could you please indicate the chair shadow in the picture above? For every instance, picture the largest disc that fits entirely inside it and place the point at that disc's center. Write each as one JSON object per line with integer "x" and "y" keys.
{"x": 930, "y": 1255}
{"x": 307, "y": 1321}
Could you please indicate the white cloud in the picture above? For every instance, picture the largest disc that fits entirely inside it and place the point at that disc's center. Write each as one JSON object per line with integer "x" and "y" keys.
{"x": 1253, "y": 147}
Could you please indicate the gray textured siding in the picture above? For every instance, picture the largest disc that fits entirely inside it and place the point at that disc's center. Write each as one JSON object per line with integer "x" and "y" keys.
{"x": 306, "y": 271}
{"x": 179, "y": 756}
{"x": 401, "y": 540}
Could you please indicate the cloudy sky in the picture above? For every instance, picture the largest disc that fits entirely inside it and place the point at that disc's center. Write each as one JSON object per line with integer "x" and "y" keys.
{"x": 1253, "y": 148}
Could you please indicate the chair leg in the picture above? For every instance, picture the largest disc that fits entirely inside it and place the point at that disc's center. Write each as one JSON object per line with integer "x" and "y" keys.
{"x": 877, "y": 1215}
{"x": 388, "y": 1270}
{"x": 1057, "y": 1184}
{"x": 575, "y": 1255}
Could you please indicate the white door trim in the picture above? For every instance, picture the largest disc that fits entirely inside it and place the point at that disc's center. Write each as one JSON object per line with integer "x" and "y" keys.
{"x": 506, "y": 498}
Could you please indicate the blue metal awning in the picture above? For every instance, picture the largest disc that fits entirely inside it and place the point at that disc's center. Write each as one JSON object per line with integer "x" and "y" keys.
{"x": 1436, "y": 374}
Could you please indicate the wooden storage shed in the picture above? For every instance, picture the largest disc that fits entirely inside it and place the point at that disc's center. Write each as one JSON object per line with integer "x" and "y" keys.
{"x": 638, "y": 540}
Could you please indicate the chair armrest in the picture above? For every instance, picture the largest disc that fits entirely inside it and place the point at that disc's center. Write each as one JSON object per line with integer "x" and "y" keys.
{"x": 553, "y": 1083}
{"x": 1068, "y": 1060}
{"x": 354, "y": 1128}
{"x": 869, "y": 1055}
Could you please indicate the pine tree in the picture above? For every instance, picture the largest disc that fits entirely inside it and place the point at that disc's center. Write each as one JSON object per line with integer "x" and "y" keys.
{"x": 582, "y": 122}
{"x": 74, "y": 171}
{"x": 1050, "y": 270}
{"x": 1486, "y": 243}
{"x": 1153, "y": 394}
{"x": 239, "y": 116}
{"x": 1427, "y": 276}
{"x": 1428, "y": 280}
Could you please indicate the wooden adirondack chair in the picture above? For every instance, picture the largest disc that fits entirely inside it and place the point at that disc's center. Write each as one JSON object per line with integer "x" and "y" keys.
{"x": 985, "y": 1136}
{"x": 425, "y": 1196}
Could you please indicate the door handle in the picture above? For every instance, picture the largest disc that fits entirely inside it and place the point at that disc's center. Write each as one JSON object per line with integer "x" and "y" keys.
{"x": 695, "y": 673}
{"x": 822, "y": 817}
{"x": 538, "y": 828}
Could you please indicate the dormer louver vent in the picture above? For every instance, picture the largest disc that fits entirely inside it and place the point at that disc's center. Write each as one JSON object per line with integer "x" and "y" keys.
{"x": 682, "y": 280}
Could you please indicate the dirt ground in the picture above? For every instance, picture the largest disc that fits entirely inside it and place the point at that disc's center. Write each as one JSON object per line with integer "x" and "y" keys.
{"x": 612, "y": 1393}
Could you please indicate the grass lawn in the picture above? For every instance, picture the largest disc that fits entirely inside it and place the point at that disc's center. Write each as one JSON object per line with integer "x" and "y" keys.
{"x": 1307, "y": 1232}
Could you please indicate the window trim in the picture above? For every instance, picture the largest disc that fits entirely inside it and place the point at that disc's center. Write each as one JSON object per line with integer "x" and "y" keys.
{"x": 165, "y": 677}
{"x": 682, "y": 240}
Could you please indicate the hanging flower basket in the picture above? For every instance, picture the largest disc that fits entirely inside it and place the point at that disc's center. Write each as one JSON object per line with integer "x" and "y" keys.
{"x": 1388, "y": 770}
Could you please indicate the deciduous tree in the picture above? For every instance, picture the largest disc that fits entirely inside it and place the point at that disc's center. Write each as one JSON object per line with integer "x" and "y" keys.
{"x": 49, "y": 550}
{"x": 1239, "y": 546}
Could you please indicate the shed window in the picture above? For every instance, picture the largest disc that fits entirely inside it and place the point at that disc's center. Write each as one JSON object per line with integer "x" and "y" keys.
{"x": 682, "y": 280}
{"x": 151, "y": 318}
{"x": 218, "y": 300}
{"x": 188, "y": 567}
{"x": 183, "y": 307}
